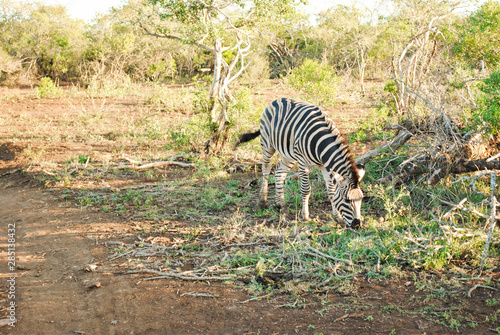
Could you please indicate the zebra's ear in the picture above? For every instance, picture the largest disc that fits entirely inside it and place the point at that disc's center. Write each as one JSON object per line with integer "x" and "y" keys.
{"x": 361, "y": 172}
{"x": 338, "y": 178}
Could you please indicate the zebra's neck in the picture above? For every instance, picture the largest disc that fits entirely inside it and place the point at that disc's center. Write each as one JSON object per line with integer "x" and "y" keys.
{"x": 336, "y": 157}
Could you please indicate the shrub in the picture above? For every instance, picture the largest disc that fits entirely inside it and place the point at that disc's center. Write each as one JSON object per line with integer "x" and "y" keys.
{"x": 479, "y": 36}
{"x": 317, "y": 80}
{"x": 487, "y": 115}
{"x": 48, "y": 89}
{"x": 162, "y": 70}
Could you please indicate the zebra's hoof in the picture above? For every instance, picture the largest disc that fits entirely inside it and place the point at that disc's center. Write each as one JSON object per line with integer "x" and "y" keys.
{"x": 262, "y": 205}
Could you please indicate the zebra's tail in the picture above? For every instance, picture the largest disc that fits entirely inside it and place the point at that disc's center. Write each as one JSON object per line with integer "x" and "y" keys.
{"x": 246, "y": 138}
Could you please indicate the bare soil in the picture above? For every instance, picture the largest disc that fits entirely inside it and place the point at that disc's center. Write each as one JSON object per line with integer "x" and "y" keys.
{"x": 57, "y": 291}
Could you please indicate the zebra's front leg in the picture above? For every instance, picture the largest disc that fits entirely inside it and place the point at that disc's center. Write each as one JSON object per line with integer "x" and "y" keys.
{"x": 263, "y": 194}
{"x": 305, "y": 191}
{"x": 330, "y": 189}
{"x": 281, "y": 171}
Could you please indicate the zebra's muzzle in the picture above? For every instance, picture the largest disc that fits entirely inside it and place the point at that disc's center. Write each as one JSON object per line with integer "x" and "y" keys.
{"x": 356, "y": 223}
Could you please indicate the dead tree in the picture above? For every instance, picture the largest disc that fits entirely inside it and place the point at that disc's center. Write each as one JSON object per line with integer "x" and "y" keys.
{"x": 210, "y": 19}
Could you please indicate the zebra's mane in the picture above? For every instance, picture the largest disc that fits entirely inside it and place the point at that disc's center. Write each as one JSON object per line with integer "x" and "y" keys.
{"x": 350, "y": 157}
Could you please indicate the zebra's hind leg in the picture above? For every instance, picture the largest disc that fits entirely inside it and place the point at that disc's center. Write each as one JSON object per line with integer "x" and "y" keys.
{"x": 305, "y": 191}
{"x": 266, "y": 170}
{"x": 281, "y": 171}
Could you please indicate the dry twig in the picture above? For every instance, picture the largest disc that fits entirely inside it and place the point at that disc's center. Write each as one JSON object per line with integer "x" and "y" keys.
{"x": 493, "y": 218}
{"x": 469, "y": 294}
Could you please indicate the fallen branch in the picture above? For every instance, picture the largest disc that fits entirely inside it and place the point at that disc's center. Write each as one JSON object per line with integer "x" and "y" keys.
{"x": 181, "y": 276}
{"x": 463, "y": 208}
{"x": 459, "y": 206}
{"x": 439, "y": 171}
{"x": 477, "y": 286}
{"x": 255, "y": 298}
{"x": 400, "y": 139}
{"x": 493, "y": 157}
{"x": 343, "y": 317}
{"x": 10, "y": 172}
{"x": 202, "y": 295}
{"x": 155, "y": 164}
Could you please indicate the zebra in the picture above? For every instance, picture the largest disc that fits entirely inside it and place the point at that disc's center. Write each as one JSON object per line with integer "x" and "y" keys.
{"x": 301, "y": 132}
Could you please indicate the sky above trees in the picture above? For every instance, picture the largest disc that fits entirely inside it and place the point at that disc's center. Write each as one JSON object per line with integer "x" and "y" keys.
{"x": 86, "y": 10}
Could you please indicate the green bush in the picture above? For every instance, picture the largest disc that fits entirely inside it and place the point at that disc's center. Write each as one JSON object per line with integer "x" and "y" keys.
{"x": 45, "y": 34}
{"x": 317, "y": 80}
{"x": 486, "y": 118}
{"x": 162, "y": 70}
{"x": 48, "y": 89}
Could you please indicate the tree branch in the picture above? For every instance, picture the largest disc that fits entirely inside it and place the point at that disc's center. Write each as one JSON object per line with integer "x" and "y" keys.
{"x": 173, "y": 37}
{"x": 155, "y": 164}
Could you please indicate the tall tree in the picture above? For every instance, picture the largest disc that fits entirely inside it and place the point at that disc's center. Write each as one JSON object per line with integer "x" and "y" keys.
{"x": 221, "y": 27}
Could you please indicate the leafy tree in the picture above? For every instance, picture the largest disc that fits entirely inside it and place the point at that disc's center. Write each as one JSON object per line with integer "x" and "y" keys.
{"x": 478, "y": 39}
{"x": 317, "y": 81}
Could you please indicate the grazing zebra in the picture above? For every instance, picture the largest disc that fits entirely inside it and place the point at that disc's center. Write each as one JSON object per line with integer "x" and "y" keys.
{"x": 303, "y": 133}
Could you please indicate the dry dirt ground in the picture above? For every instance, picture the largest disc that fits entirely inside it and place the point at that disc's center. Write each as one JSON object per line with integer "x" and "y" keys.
{"x": 56, "y": 291}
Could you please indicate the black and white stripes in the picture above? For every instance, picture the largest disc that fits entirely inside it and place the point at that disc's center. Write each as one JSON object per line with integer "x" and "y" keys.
{"x": 301, "y": 132}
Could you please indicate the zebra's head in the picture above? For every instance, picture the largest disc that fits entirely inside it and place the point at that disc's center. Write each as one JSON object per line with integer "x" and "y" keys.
{"x": 347, "y": 199}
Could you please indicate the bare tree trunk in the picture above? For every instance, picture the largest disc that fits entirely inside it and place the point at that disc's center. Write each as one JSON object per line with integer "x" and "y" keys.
{"x": 219, "y": 94}
{"x": 216, "y": 81}
{"x": 361, "y": 66}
